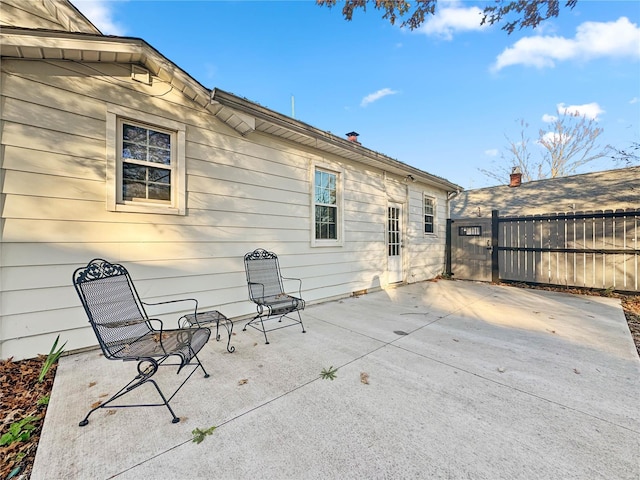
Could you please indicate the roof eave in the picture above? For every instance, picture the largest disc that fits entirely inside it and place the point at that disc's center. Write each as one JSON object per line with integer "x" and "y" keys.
{"x": 326, "y": 141}
{"x": 55, "y": 45}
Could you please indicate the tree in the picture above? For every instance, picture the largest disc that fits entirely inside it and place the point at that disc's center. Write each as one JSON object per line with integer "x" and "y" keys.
{"x": 629, "y": 156}
{"x": 571, "y": 143}
{"x": 515, "y": 13}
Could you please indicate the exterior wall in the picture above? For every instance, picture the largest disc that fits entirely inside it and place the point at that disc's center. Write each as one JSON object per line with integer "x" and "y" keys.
{"x": 426, "y": 253}
{"x": 45, "y": 14}
{"x": 242, "y": 193}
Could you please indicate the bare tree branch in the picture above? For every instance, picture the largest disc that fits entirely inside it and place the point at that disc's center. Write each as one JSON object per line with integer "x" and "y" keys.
{"x": 571, "y": 143}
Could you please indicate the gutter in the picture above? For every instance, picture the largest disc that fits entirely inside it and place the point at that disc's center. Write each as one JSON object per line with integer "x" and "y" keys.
{"x": 226, "y": 99}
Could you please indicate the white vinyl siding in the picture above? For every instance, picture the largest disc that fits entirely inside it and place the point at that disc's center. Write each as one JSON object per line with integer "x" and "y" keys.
{"x": 237, "y": 194}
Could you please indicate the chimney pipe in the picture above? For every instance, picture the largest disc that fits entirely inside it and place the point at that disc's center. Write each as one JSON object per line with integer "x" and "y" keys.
{"x": 353, "y": 137}
{"x": 515, "y": 179}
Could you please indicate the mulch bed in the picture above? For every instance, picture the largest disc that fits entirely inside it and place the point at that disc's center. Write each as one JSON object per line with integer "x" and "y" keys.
{"x": 21, "y": 393}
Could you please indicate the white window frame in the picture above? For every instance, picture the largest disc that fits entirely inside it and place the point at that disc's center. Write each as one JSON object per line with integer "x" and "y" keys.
{"x": 116, "y": 116}
{"x": 339, "y": 173}
{"x": 433, "y": 214}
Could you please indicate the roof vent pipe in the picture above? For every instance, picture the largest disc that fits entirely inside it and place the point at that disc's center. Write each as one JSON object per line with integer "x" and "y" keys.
{"x": 352, "y": 137}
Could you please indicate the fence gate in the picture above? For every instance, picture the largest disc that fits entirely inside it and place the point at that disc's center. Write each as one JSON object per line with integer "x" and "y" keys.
{"x": 471, "y": 249}
{"x": 598, "y": 249}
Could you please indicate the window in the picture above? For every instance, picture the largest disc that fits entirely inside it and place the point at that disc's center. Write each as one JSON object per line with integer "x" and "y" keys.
{"x": 145, "y": 163}
{"x": 429, "y": 214}
{"x": 326, "y": 207}
{"x": 326, "y": 200}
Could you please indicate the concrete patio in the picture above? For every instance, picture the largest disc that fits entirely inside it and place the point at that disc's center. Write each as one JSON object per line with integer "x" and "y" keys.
{"x": 466, "y": 380}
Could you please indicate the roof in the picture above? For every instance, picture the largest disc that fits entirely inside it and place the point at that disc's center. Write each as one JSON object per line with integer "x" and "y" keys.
{"x": 241, "y": 114}
{"x": 606, "y": 190}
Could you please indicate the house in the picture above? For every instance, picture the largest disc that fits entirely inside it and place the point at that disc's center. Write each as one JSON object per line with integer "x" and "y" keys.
{"x": 578, "y": 231}
{"x": 110, "y": 150}
{"x": 607, "y": 190}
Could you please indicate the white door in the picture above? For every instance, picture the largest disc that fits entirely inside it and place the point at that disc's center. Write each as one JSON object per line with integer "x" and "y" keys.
{"x": 394, "y": 243}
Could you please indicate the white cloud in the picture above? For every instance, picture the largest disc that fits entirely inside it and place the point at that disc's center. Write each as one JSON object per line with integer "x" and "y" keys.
{"x": 593, "y": 39}
{"x": 492, "y": 152}
{"x": 373, "y": 97}
{"x": 452, "y": 19}
{"x": 100, "y": 13}
{"x": 546, "y": 118}
{"x": 588, "y": 110}
{"x": 633, "y": 100}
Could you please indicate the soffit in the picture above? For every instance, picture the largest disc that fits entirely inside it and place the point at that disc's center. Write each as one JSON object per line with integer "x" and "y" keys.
{"x": 79, "y": 47}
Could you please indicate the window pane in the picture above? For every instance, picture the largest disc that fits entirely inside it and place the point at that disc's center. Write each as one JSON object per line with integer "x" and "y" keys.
{"x": 428, "y": 224}
{"x": 159, "y": 192}
{"x": 132, "y": 189}
{"x": 331, "y": 214}
{"x": 159, "y": 156}
{"x": 159, "y": 139}
{"x": 131, "y": 171}
{"x": 136, "y": 152}
{"x": 159, "y": 175}
{"x": 135, "y": 134}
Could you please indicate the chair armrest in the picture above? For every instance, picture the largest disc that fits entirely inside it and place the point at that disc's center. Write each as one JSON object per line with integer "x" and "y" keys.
{"x": 251, "y": 291}
{"x": 195, "y": 308}
{"x": 299, "y": 284}
{"x": 175, "y": 301}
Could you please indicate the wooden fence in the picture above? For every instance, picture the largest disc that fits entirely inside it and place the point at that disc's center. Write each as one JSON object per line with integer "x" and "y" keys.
{"x": 599, "y": 249}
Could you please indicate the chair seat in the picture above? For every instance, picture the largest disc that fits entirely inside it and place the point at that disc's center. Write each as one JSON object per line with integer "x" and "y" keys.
{"x": 183, "y": 343}
{"x": 281, "y": 303}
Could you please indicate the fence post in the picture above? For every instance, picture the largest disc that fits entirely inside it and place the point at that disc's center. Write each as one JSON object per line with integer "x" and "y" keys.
{"x": 495, "y": 268}
{"x": 447, "y": 251}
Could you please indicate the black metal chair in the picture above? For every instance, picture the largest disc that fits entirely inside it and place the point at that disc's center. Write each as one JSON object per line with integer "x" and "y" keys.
{"x": 125, "y": 332}
{"x": 267, "y": 292}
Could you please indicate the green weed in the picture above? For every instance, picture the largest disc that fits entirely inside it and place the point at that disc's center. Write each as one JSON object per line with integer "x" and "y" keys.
{"x": 328, "y": 374}
{"x": 52, "y": 358}
{"x": 198, "y": 435}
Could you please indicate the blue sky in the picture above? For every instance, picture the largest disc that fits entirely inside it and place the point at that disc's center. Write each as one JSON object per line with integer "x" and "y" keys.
{"x": 443, "y": 99}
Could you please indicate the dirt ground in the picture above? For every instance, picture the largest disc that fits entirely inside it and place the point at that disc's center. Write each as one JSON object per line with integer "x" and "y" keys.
{"x": 22, "y": 394}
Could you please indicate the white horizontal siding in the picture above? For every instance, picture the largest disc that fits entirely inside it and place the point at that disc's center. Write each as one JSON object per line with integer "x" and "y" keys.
{"x": 242, "y": 193}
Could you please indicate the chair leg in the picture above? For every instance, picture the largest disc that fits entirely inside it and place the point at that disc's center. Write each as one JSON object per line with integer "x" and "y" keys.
{"x": 144, "y": 376}
{"x": 266, "y": 340}
{"x": 251, "y": 323}
{"x": 302, "y": 324}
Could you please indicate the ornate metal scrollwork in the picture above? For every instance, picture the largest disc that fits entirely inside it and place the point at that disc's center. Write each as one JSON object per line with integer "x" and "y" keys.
{"x": 99, "y": 268}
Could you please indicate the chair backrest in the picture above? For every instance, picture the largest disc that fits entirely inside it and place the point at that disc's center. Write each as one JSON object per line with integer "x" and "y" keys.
{"x": 263, "y": 274}
{"x": 112, "y": 304}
